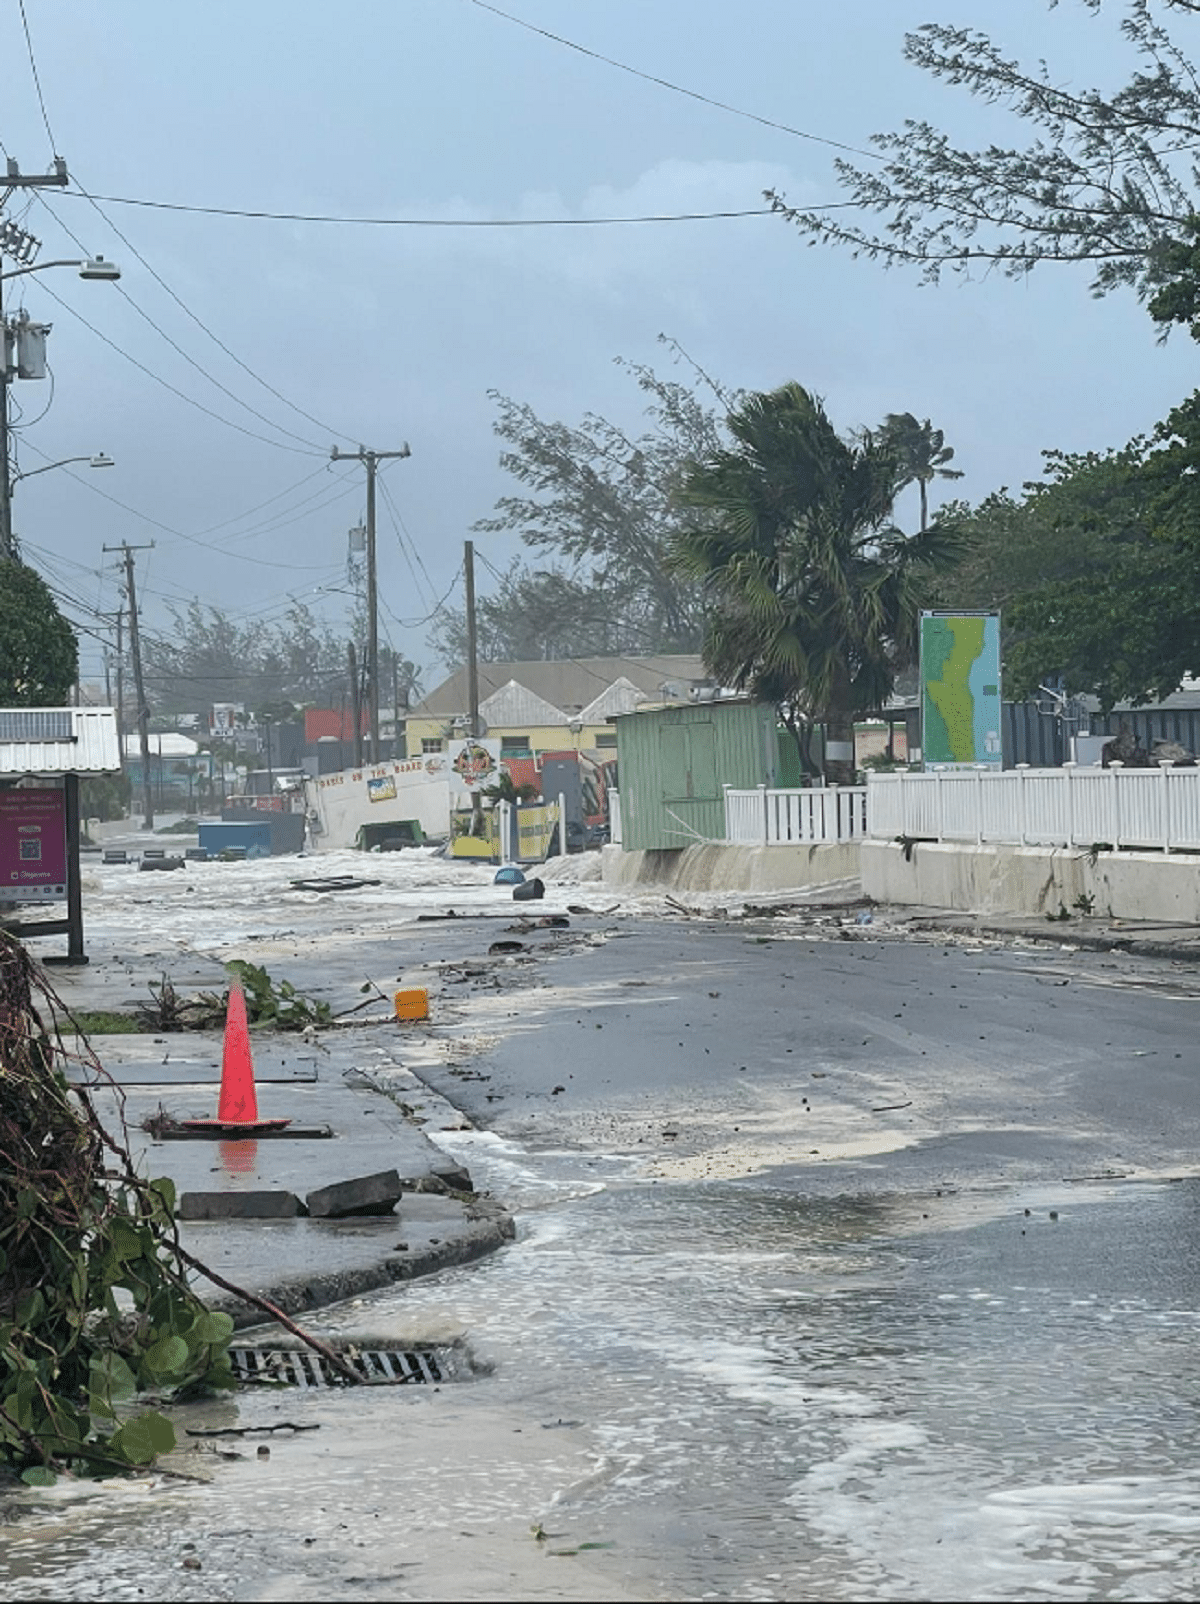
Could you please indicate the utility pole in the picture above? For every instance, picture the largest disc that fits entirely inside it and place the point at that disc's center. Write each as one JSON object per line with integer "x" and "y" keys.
{"x": 371, "y": 459}
{"x": 121, "y": 682}
{"x": 472, "y": 655}
{"x": 135, "y": 648}
{"x": 355, "y": 703}
{"x": 472, "y": 676}
{"x": 23, "y": 247}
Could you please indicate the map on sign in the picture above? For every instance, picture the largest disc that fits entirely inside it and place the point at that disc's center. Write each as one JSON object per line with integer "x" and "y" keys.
{"x": 960, "y": 688}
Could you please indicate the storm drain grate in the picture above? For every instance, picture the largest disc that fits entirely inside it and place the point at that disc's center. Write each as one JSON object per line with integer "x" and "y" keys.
{"x": 299, "y": 1367}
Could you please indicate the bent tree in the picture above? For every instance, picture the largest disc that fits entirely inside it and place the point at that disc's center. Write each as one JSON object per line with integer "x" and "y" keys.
{"x": 1106, "y": 178}
{"x": 812, "y": 593}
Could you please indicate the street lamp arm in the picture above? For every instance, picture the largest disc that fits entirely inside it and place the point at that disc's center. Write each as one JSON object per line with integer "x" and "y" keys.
{"x": 89, "y": 267}
{"x": 30, "y": 472}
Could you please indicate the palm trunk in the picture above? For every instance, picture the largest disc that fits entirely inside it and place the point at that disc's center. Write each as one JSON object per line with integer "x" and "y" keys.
{"x": 839, "y": 731}
{"x": 924, "y": 506}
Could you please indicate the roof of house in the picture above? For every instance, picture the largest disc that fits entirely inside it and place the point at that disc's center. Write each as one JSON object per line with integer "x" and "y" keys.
{"x": 515, "y": 703}
{"x": 622, "y": 696}
{"x": 568, "y": 686}
{"x": 59, "y": 740}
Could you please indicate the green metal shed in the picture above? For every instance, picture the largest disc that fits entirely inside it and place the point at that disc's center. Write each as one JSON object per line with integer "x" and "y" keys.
{"x": 674, "y": 761}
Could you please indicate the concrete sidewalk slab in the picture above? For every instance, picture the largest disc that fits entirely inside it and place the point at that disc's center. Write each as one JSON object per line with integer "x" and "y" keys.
{"x": 300, "y": 1263}
{"x": 303, "y": 1264}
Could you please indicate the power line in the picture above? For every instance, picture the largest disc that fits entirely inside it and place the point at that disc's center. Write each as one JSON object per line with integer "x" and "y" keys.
{"x": 37, "y": 82}
{"x": 167, "y": 385}
{"x": 416, "y": 623}
{"x": 278, "y": 496}
{"x": 400, "y": 528}
{"x": 678, "y": 89}
{"x": 197, "y": 539}
{"x": 428, "y": 222}
{"x": 194, "y": 540}
{"x": 225, "y": 390}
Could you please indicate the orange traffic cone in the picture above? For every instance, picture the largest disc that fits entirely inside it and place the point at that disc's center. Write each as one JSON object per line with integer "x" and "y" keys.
{"x": 238, "y": 1102}
{"x": 237, "y": 1105}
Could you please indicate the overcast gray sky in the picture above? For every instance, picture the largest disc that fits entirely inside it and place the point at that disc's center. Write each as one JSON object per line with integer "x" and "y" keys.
{"x": 437, "y": 109}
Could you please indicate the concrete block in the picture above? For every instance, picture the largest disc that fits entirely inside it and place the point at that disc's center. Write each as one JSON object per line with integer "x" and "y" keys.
{"x": 452, "y": 1174}
{"x": 369, "y": 1194}
{"x": 239, "y": 1206}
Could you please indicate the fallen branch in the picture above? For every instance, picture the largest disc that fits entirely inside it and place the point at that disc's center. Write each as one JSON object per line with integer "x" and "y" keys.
{"x": 885, "y": 1108}
{"x": 331, "y": 1358}
{"x": 246, "y": 1431}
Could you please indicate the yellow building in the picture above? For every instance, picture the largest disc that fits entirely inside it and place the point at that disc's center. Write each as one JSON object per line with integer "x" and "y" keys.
{"x": 534, "y": 708}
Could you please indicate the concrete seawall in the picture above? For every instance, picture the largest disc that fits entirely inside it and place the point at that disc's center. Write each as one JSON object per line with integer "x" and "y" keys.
{"x": 1033, "y": 880}
{"x": 714, "y": 866}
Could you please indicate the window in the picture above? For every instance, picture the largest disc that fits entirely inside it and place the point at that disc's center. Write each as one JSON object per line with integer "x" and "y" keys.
{"x": 515, "y": 746}
{"x": 606, "y": 738}
{"x": 430, "y": 743}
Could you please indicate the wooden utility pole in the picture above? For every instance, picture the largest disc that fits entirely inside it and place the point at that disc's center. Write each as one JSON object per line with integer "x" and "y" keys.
{"x": 472, "y": 676}
{"x": 472, "y": 654}
{"x": 355, "y": 704}
{"x": 143, "y": 708}
{"x": 121, "y": 682}
{"x": 371, "y": 461}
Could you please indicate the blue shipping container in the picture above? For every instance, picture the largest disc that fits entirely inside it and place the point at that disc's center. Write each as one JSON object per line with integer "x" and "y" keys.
{"x": 256, "y": 838}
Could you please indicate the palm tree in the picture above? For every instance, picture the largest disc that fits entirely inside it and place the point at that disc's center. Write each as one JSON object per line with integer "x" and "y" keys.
{"x": 504, "y": 789}
{"x": 813, "y": 594}
{"x": 922, "y": 452}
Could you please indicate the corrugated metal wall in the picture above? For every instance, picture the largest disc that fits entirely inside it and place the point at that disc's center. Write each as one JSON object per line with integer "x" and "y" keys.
{"x": 1150, "y": 724}
{"x": 1042, "y": 741}
{"x": 1032, "y": 737}
{"x": 674, "y": 761}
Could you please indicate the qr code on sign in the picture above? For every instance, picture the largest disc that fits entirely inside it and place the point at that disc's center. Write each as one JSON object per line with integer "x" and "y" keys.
{"x": 31, "y": 851}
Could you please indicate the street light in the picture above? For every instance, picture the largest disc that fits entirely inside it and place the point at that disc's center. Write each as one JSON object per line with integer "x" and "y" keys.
{"x": 97, "y": 267}
{"x": 100, "y": 460}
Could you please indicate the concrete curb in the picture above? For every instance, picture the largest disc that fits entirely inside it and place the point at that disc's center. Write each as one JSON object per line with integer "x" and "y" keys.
{"x": 488, "y": 1226}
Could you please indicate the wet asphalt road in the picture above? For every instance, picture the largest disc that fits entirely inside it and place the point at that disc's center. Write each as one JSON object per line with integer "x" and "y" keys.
{"x": 764, "y": 1334}
{"x": 988, "y": 1063}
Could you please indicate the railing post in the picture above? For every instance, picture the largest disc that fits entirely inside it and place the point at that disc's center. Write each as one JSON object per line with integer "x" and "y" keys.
{"x": 1022, "y": 803}
{"x": 1164, "y": 765}
{"x": 978, "y": 806}
{"x": 1069, "y": 771}
{"x": 762, "y": 791}
{"x": 725, "y": 799}
{"x": 1115, "y": 769}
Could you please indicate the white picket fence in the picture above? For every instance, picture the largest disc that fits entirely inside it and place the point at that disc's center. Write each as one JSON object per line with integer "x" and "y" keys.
{"x": 764, "y": 817}
{"x": 1158, "y": 808}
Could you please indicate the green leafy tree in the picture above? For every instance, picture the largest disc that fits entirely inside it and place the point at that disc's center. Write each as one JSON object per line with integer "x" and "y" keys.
{"x": 812, "y": 592}
{"x": 537, "y": 615}
{"x": 922, "y": 453}
{"x": 39, "y": 655}
{"x": 1125, "y": 624}
{"x": 207, "y": 656}
{"x": 1107, "y": 177}
{"x": 598, "y": 504}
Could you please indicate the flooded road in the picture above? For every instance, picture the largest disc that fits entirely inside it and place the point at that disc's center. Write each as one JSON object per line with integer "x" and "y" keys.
{"x": 802, "y": 1305}
{"x": 733, "y": 1392}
